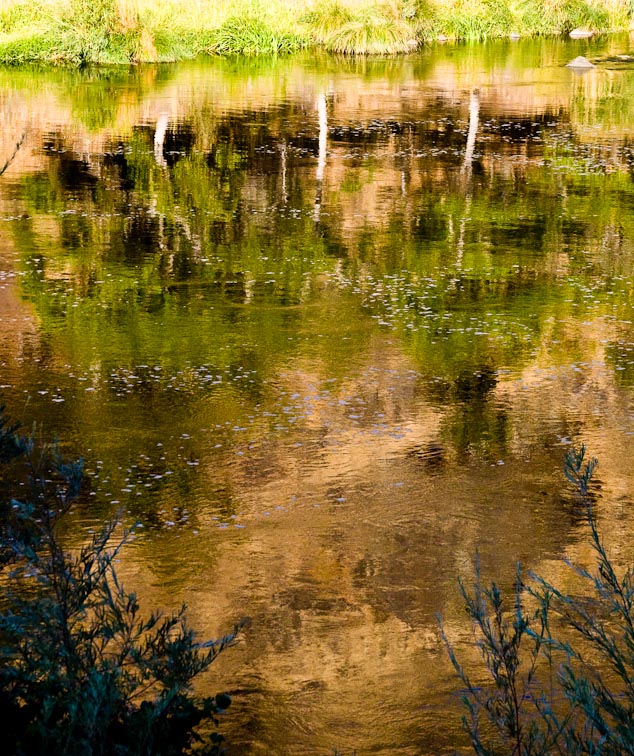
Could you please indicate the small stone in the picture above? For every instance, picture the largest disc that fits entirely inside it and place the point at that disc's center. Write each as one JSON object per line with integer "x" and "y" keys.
{"x": 580, "y": 62}
{"x": 580, "y": 33}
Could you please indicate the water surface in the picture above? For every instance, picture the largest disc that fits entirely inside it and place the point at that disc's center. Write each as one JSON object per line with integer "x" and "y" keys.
{"x": 324, "y": 328}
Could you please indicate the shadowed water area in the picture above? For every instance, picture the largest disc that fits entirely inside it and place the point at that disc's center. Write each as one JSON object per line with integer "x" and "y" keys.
{"x": 323, "y": 328}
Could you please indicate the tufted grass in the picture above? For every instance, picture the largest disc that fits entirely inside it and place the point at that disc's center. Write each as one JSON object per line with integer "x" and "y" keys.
{"x": 132, "y": 31}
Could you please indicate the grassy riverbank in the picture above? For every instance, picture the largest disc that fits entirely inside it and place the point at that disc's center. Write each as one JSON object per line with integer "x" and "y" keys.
{"x": 123, "y": 31}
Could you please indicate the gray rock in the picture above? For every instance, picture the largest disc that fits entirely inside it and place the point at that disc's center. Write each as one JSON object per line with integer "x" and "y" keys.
{"x": 580, "y": 62}
{"x": 581, "y": 33}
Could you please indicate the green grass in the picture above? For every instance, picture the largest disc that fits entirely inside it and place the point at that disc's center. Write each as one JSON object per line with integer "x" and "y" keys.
{"x": 36, "y": 46}
{"x": 242, "y": 35}
{"x": 476, "y": 20}
{"x": 124, "y": 31}
{"x": 373, "y": 30}
{"x": 561, "y": 17}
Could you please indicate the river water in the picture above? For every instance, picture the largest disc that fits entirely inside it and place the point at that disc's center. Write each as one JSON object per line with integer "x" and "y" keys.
{"x": 324, "y": 327}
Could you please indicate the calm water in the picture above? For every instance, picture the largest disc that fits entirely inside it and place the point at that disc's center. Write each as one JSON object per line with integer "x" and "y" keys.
{"x": 324, "y": 327}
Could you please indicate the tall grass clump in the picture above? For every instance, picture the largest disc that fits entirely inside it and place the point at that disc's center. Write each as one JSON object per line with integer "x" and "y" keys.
{"x": 82, "y": 671}
{"x": 551, "y": 17}
{"x": 474, "y": 19}
{"x": 253, "y": 35}
{"x": 104, "y": 31}
{"x": 75, "y": 31}
{"x": 483, "y": 19}
{"x": 35, "y": 46}
{"x": 19, "y": 14}
{"x": 374, "y": 29}
{"x": 325, "y": 18}
{"x": 559, "y": 666}
{"x": 26, "y": 33}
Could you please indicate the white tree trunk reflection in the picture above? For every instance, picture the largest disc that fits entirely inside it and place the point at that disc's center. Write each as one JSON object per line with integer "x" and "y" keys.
{"x": 321, "y": 156}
